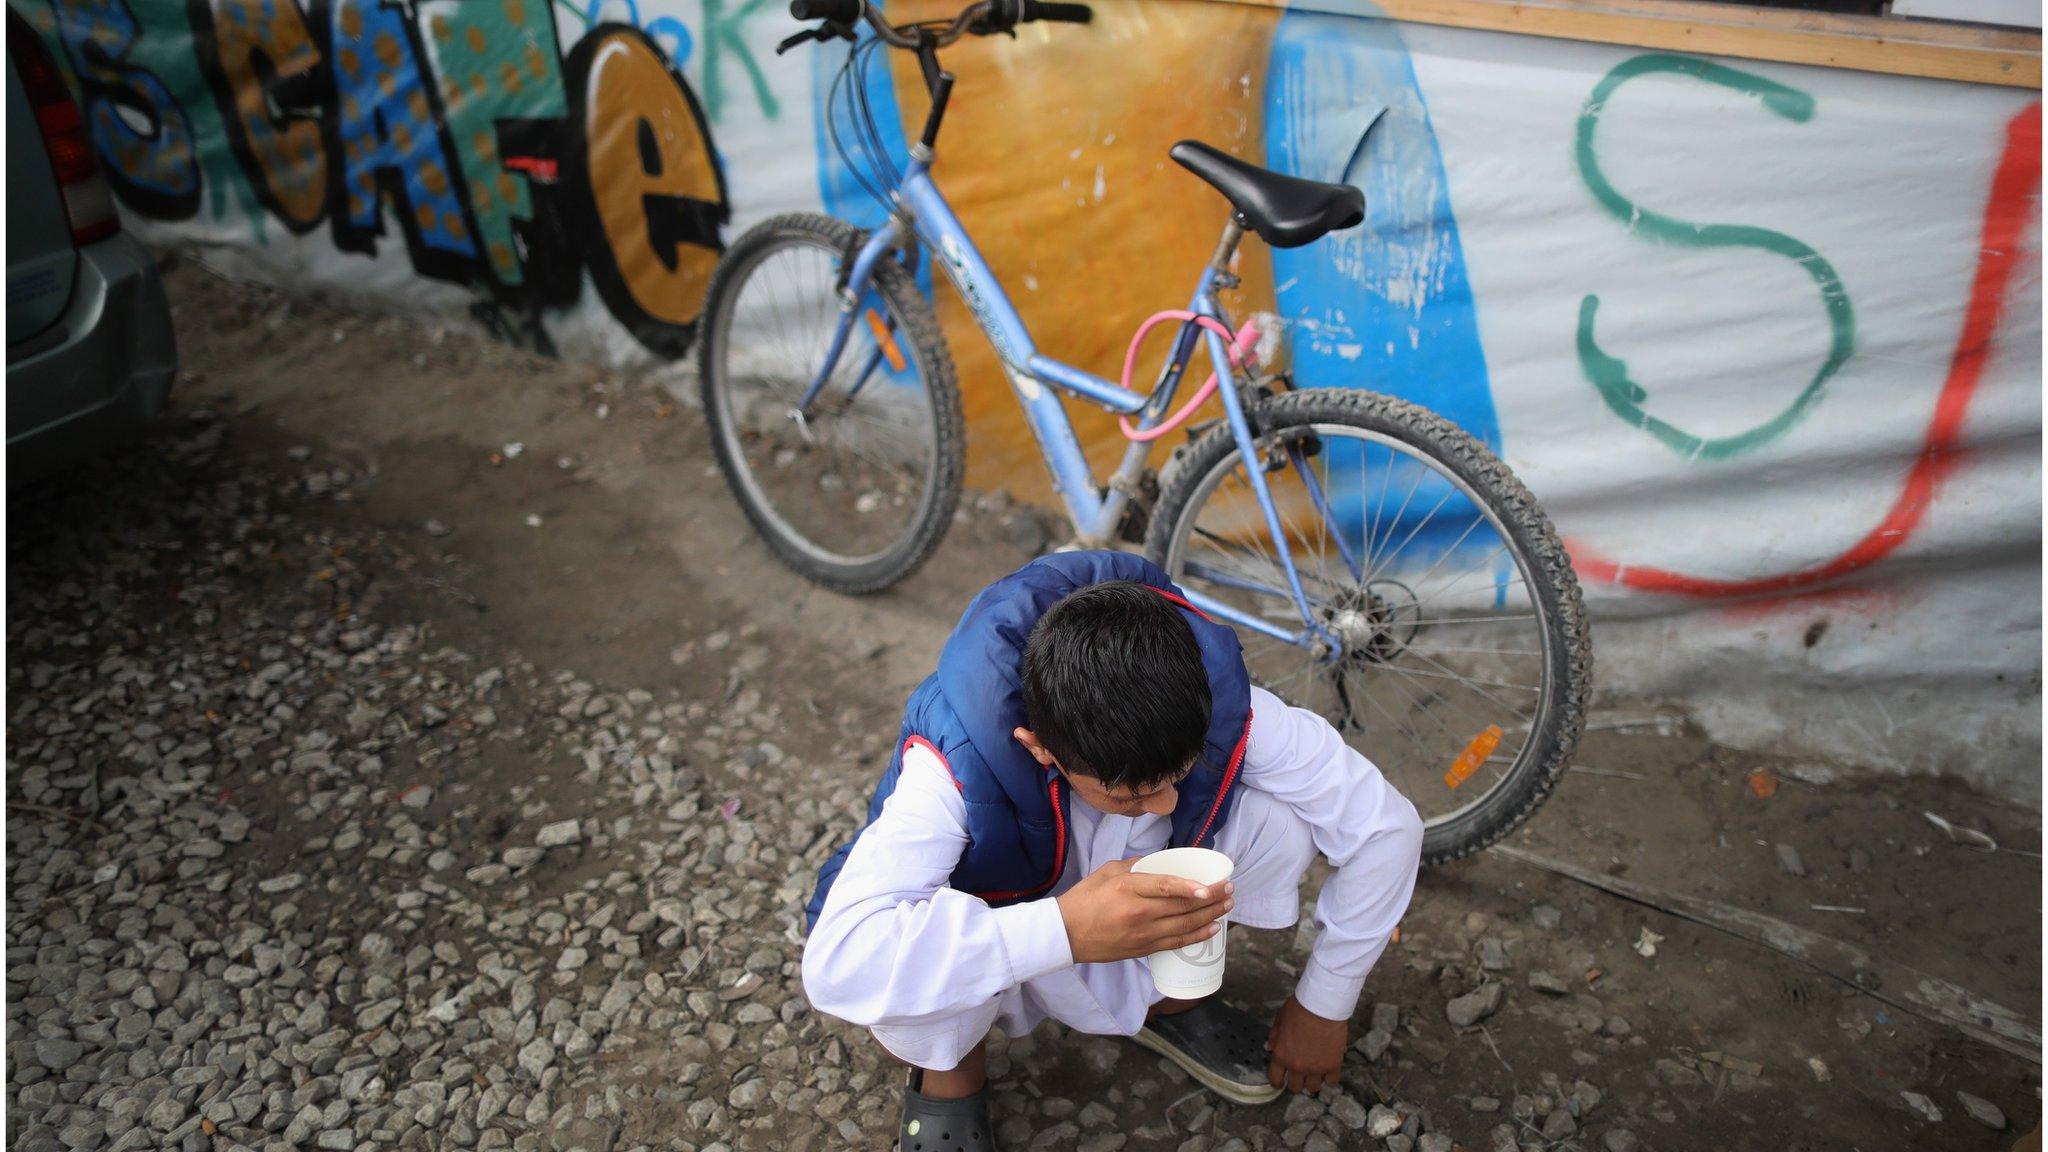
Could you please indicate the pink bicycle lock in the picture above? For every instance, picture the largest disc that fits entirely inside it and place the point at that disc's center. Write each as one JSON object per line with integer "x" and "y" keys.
{"x": 1240, "y": 347}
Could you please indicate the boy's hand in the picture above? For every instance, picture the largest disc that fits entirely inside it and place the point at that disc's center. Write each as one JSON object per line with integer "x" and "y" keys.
{"x": 1113, "y": 914}
{"x": 1308, "y": 1050}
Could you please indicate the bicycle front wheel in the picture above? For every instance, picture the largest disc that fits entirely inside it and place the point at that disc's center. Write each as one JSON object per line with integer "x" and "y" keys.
{"x": 1445, "y": 639}
{"x": 855, "y": 491}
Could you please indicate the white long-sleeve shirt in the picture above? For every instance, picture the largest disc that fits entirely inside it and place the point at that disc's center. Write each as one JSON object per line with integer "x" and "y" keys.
{"x": 896, "y": 948}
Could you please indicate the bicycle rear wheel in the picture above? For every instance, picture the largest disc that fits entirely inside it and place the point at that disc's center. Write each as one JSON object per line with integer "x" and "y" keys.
{"x": 856, "y": 493}
{"x": 1452, "y": 640}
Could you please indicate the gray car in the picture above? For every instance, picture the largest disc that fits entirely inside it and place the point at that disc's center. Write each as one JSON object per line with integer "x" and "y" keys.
{"x": 90, "y": 353}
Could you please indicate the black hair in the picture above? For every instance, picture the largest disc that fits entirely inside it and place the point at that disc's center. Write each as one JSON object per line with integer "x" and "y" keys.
{"x": 1114, "y": 685}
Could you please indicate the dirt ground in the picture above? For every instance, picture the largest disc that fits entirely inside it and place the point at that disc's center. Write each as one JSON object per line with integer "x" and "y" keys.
{"x": 608, "y": 548}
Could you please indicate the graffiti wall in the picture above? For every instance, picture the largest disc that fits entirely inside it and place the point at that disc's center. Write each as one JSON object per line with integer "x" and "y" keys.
{"x": 1765, "y": 338}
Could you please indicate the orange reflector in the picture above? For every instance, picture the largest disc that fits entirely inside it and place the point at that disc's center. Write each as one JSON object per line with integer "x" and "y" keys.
{"x": 1473, "y": 756}
{"x": 886, "y": 339}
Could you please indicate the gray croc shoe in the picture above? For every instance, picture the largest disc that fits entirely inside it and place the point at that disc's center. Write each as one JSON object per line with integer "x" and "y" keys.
{"x": 1218, "y": 1045}
{"x": 934, "y": 1125}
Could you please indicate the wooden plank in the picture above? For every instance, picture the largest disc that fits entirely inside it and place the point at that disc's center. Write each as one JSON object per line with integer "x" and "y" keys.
{"x": 1904, "y": 988}
{"x": 1899, "y": 47}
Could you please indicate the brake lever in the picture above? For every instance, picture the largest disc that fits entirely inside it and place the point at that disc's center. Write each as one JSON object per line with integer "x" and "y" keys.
{"x": 829, "y": 30}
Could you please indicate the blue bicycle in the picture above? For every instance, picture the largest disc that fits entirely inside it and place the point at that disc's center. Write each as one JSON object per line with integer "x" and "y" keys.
{"x": 1384, "y": 568}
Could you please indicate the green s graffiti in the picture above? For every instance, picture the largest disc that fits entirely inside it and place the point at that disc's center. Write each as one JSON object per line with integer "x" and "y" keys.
{"x": 1608, "y": 374}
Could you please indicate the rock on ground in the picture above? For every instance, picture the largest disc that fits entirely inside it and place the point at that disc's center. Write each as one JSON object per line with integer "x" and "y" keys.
{"x": 1474, "y": 1006}
{"x": 1982, "y": 1111}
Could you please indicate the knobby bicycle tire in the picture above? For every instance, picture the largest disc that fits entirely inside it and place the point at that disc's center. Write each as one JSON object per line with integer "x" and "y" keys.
{"x": 1567, "y": 667}
{"x": 935, "y": 366}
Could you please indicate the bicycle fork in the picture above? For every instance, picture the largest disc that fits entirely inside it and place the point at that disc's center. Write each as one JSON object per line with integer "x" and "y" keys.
{"x": 851, "y": 292}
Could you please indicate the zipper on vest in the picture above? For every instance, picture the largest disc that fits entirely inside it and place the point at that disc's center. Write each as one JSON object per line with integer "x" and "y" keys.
{"x": 1059, "y": 852}
{"x": 1229, "y": 778}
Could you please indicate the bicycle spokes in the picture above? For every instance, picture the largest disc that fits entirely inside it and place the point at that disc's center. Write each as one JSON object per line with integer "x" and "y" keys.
{"x": 1424, "y": 645}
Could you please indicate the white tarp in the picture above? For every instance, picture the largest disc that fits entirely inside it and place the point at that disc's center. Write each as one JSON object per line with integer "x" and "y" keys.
{"x": 1765, "y": 339}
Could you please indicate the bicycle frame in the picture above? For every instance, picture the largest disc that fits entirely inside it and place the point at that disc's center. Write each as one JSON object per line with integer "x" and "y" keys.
{"x": 923, "y": 215}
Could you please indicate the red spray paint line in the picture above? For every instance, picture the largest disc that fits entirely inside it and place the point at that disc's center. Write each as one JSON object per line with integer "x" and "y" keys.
{"x": 2006, "y": 215}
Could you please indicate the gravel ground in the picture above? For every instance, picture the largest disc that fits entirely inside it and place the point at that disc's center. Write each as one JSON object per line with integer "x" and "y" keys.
{"x": 286, "y": 876}
{"x": 378, "y": 780}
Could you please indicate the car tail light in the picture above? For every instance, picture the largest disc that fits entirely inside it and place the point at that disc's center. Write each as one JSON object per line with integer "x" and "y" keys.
{"x": 88, "y": 204}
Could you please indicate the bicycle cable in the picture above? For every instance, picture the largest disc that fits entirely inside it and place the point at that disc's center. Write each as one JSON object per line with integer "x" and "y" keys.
{"x": 875, "y": 168}
{"x": 853, "y": 167}
{"x": 886, "y": 171}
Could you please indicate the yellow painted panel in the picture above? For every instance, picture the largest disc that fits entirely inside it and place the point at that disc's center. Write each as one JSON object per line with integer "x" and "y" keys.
{"x": 1055, "y": 160}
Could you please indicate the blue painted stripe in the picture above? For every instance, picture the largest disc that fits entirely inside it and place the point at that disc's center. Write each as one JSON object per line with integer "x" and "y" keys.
{"x": 1385, "y": 306}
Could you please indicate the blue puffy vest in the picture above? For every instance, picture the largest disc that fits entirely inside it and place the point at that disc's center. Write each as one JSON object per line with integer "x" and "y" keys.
{"x": 1017, "y": 810}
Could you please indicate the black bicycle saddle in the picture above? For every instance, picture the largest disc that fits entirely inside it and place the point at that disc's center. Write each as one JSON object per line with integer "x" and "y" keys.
{"x": 1285, "y": 211}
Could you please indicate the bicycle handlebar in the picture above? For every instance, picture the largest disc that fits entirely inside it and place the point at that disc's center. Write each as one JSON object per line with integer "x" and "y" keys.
{"x": 1063, "y": 13}
{"x": 843, "y": 11}
{"x": 984, "y": 18}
